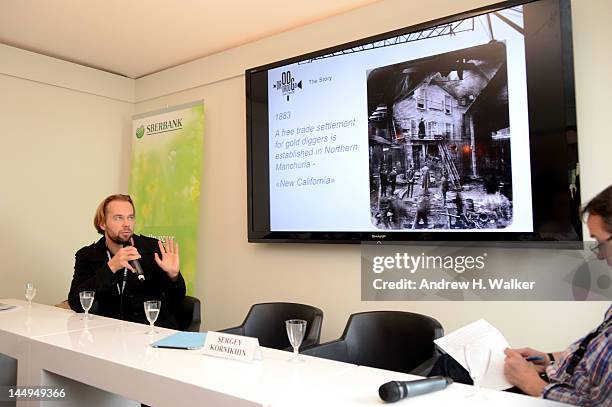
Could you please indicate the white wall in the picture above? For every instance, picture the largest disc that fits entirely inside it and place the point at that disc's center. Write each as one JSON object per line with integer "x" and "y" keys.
{"x": 64, "y": 147}
{"x": 234, "y": 274}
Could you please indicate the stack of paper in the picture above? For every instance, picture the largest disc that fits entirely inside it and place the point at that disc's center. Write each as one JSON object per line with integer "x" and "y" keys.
{"x": 480, "y": 333}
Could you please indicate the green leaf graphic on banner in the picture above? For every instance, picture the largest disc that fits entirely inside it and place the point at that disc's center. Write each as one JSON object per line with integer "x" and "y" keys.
{"x": 140, "y": 132}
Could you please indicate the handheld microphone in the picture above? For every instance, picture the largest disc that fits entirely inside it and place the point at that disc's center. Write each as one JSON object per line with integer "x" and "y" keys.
{"x": 135, "y": 264}
{"x": 396, "y": 390}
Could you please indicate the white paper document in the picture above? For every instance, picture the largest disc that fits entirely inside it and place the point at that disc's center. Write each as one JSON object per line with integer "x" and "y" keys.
{"x": 482, "y": 334}
{"x": 6, "y": 307}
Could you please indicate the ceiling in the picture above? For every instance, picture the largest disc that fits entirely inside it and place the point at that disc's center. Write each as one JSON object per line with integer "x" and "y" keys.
{"x": 135, "y": 38}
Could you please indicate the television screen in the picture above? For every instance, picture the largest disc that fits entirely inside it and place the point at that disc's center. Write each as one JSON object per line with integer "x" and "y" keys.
{"x": 458, "y": 129}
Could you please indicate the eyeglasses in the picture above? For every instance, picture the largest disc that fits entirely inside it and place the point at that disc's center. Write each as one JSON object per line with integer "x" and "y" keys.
{"x": 599, "y": 245}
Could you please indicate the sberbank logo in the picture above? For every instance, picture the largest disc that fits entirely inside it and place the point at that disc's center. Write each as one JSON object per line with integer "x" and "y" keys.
{"x": 159, "y": 127}
{"x": 140, "y": 132}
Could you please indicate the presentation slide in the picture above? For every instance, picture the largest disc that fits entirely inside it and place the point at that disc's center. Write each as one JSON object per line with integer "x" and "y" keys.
{"x": 425, "y": 131}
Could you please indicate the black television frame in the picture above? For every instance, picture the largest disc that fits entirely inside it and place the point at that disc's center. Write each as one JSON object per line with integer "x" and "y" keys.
{"x": 554, "y": 125}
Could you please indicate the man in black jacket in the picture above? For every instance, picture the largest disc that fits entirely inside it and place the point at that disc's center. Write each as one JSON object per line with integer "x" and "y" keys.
{"x": 104, "y": 267}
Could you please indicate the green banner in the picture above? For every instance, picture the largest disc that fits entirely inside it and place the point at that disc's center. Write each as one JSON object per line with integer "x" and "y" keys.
{"x": 165, "y": 178}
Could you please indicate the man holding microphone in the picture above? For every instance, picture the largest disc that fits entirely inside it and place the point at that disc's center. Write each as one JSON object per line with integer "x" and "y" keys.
{"x": 125, "y": 269}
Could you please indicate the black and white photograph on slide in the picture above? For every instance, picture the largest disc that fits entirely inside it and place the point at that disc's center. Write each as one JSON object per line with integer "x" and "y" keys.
{"x": 439, "y": 141}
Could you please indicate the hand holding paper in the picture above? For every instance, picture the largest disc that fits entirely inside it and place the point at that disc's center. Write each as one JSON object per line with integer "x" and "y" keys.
{"x": 522, "y": 373}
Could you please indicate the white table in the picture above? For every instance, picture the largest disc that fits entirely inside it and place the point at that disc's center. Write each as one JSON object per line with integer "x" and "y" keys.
{"x": 24, "y": 322}
{"x": 19, "y": 325}
{"x": 122, "y": 362}
{"x": 359, "y": 387}
{"x": 110, "y": 362}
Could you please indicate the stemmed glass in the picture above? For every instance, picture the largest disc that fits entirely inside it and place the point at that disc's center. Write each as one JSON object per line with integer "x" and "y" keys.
{"x": 87, "y": 298}
{"x": 477, "y": 358}
{"x": 152, "y": 312}
{"x": 30, "y": 292}
{"x": 296, "y": 328}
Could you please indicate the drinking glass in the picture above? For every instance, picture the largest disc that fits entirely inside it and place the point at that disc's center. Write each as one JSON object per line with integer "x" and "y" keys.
{"x": 152, "y": 312}
{"x": 477, "y": 358}
{"x": 296, "y": 328}
{"x": 30, "y": 292}
{"x": 87, "y": 298}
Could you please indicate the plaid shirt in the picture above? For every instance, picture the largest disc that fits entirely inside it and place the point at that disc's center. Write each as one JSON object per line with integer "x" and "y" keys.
{"x": 591, "y": 383}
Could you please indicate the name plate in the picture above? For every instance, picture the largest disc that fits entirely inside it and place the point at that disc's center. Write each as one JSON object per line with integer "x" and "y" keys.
{"x": 231, "y": 346}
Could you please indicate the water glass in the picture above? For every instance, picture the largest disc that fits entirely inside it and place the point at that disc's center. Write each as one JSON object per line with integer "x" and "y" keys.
{"x": 296, "y": 328}
{"x": 477, "y": 358}
{"x": 87, "y": 298}
{"x": 30, "y": 292}
{"x": 151, "y": 309}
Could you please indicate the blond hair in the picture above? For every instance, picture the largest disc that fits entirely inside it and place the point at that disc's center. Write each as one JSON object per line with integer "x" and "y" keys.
{"x": 100, "y": 216}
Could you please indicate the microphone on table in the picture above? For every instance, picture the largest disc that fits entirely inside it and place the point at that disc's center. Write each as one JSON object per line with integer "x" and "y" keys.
{"x": 396, "y": 390}
{"x": 135, "y": 264}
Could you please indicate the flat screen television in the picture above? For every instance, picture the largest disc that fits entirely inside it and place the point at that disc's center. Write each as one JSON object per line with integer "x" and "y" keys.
{"x": 462, "y": 128}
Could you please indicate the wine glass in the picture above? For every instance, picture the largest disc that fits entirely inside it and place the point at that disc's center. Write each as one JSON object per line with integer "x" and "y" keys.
{"x": 296, "y": 328}
{"x": 477, "y": 358}
{"x": 87, "y": 298}
{"x": 30, "y": 292}
{"x": 152, "y": 312}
